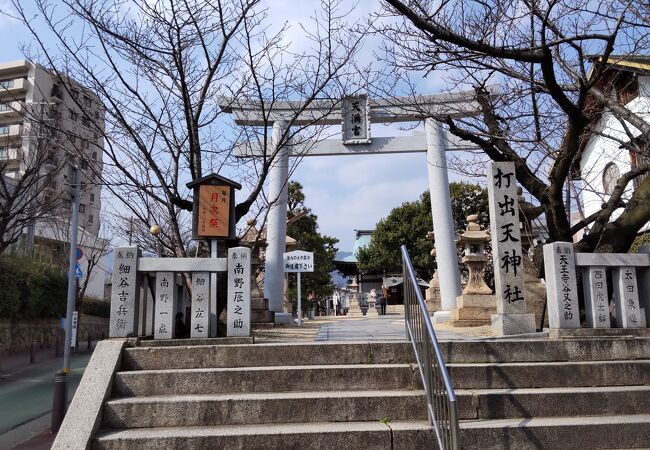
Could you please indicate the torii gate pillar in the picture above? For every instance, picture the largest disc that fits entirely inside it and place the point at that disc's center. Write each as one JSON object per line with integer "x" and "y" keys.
{"x": 443, "y": 226}
{"x": 276, "y": 230}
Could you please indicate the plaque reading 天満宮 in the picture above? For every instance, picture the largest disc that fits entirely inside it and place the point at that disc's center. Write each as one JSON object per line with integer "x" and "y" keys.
{"x": 355, "y": 114}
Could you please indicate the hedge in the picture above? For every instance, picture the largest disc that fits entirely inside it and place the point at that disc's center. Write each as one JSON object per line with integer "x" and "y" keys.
{"x": 30, "y": 290}
{"x": 96, "y": 307}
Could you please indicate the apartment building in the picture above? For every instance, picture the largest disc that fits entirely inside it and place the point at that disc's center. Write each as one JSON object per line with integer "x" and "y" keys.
{"x": 42, "y": 112}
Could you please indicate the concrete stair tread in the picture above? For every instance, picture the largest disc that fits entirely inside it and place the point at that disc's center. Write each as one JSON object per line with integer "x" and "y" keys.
{"x": 554, "y": 390}
{"x": 263, "y": 429}
{"x": 266, "y": 396}
{"x": 265, "y": 368}
{"x": 547, "y": 363}
{"x": 562, "y": 421}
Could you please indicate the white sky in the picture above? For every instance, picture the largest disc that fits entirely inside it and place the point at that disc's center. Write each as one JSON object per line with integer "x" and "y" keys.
{"x": 346, "y": 192}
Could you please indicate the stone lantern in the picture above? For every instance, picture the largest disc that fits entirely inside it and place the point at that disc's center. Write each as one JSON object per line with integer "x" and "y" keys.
{"x": 474, "y": 240}
{"x": 477, "y": 304}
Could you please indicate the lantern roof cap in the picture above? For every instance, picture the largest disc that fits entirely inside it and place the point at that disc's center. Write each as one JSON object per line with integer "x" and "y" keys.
{"x": 474, "y": 232}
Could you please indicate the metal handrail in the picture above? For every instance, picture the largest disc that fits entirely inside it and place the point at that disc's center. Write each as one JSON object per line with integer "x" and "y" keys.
{"x": 442, "y": 405}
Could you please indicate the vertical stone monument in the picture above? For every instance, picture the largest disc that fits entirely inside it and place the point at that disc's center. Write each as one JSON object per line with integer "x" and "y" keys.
{"x": 594, "y": 283}
{"x": 561, "y": 288}
{"x": 200, "y": 305}
{"x": 124, "y": 296}
{"x": 239, "y": 291}
{"x": 165, "y": 319}
{"x": 477, "y": 304}
{"x": 512, "y": 315}
{"x": 626, "y": 297}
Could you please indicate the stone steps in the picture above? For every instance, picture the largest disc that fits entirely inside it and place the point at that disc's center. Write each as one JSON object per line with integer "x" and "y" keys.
{"x": 567, "y": 433}
{"x": 265, "y": 379}
{"x": 261, "y": 408}
{"x": 398, "y": 435}
{"x": 549, "y": 374}
{"x": 552, "y": 402}
{"x": 515, "y": 394}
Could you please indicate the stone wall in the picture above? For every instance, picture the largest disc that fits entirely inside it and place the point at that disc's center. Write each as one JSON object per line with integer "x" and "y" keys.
{"x": 18, "y": 336}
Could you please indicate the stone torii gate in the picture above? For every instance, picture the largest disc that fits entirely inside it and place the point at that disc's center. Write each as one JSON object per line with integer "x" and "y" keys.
{"x": 435, "y": 141}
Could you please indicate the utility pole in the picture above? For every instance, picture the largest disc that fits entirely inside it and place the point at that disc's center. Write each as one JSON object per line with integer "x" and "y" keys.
{"x": 61, "y": 378}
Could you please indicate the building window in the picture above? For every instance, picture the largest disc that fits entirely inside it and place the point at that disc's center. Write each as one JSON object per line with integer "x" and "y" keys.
{"x": 92, "y": 197}
{"x": 82, "y": 208}
{"x": 87, "y": 102}
{"x": 91, "y": 219}
{"x": 611, "y": 174}
{"x": 3, "y": 153}
{"x": 85, "y": 121}
{"x": 74, "y": 116}
{"x": 84, "y": 164}
{"x": 7, "y": 84}
{"x": 5, "y": 106}
{"x": 97, "y": 114}
{"x": 72, "y": 138}
{"x": 83, "y": 186}
{"x": 94, "y": 156}
{"x": 84, "y": 143}
{"x": 4, "y": 129}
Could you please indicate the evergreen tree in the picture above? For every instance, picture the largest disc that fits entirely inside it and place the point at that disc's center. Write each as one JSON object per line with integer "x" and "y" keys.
{"x": 305, "y": 230}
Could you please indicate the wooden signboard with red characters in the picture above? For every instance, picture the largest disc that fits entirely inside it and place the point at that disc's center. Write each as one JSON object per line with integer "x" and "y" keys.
{"x": 213, "y": 215}
{"x": 214, "y": 211}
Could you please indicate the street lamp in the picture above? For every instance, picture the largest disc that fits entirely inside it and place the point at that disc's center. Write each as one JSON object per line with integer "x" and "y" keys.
{"x": 155, "y": 231}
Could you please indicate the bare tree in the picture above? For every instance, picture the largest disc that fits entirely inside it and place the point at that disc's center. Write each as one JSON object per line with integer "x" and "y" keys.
{"x": 553, "y": 92}
{"x": 161, "y": 70}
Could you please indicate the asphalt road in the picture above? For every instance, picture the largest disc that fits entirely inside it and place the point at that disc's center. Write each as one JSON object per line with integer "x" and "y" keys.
{"x": 26, "y": 394}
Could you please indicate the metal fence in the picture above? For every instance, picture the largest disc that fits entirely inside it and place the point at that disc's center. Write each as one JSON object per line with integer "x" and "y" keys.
{"x": 441, "y": 399}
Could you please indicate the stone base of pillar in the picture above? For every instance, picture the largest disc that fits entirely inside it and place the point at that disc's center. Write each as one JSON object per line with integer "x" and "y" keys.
{"x": 284, "y": 318}
{"x": 261, "y": 317}
{"x": 473, "y": 310}
{"x": 441, "y": 317}
{"x": 511, "y": 324}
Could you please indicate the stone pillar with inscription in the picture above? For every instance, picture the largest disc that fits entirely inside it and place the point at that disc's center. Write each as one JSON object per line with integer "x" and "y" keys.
{"x": 239, "y": 291}
{"x": 626, "y": 297}
{"x": 561, "y": 287}
{"x": 512, "y": 315}
{"x": 594, "y": 283}
{"x": 125, "y": 292}
{"x": 200, "y": 323}
{"x": 165, "y": 319}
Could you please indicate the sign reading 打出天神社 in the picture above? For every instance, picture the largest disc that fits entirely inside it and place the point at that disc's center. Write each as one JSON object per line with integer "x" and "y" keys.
{"x": 214, "y": 211}
{"x": 298, "y": 261}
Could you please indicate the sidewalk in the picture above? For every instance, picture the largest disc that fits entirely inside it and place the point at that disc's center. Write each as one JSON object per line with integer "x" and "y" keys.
{"x": 12, "y": 362}
{"x": 26, "y": 396}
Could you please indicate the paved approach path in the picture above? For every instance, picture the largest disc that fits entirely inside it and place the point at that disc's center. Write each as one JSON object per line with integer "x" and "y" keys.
{"x": 343, "y": 328}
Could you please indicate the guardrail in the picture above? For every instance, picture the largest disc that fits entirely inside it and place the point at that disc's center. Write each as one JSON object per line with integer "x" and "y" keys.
{"x": 441, "y": 399}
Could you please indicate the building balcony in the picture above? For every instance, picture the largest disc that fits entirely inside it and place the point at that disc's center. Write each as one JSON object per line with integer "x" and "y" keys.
{"x": 13, "y": 86}
{"x": 12, "y": 131}
{"x": 11, "y": 109}
{"x": 11, "y": 155}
